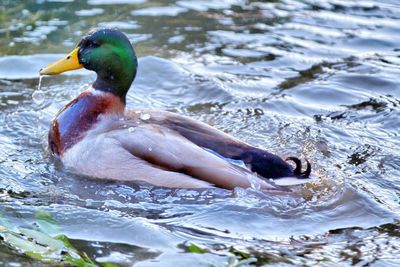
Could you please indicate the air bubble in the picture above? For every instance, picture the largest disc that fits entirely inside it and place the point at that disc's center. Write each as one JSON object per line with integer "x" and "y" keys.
{"x": 38, "y": 97}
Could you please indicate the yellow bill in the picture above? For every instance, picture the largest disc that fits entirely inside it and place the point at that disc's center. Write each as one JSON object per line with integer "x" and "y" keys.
{"x": 70, "y": 62}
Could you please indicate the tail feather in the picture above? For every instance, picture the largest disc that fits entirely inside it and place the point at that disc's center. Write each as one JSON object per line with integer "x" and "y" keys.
{"x": 297, "y": 170}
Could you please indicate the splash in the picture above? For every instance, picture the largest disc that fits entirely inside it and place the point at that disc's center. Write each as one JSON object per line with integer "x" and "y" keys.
{"x": 40, "y": 82}
{"x": 255, "y": 182}
{"x": 38, "y": 96}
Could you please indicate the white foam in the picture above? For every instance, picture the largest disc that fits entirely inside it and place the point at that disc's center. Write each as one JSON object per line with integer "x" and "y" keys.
{"x": 290, "y": 181}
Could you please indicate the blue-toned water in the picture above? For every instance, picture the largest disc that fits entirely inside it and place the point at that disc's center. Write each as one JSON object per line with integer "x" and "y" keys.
{"x": 314, "y": 79}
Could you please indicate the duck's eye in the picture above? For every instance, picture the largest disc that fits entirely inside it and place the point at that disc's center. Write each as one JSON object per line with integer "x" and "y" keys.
{"x": 90, "y": 44}
{"x": 94, "y": 44}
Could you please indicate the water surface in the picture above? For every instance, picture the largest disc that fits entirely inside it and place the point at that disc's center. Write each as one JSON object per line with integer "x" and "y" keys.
{"x": 314, "y": 79}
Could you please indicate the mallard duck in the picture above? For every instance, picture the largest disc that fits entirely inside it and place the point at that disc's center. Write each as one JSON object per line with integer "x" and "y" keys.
{"x": 95, "y": 136}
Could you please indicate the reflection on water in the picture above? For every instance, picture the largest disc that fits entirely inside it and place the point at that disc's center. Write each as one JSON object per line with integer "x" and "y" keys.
{"x": 318, "y": 79}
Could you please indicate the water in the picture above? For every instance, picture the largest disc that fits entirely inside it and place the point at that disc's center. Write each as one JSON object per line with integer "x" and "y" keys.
{"x": 315, "y": 79}
{"x": 38, "y": 96}
{"x": 144, "y": 116}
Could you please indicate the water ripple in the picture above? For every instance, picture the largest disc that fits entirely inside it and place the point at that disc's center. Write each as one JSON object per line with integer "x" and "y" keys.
{"x": 315, "y": 79}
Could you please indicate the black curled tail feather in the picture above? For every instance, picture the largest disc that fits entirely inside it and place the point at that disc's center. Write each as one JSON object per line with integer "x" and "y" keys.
{"x": 307, "y": 172}
{"x": 269, "y": 165}
{"x": 266, "y": 164}
{"x": 297, "y": 170}
{"x": 297, "y": 161}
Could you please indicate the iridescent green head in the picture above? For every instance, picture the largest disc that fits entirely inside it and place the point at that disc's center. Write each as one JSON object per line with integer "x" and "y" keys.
{"x": 109, "y": 53}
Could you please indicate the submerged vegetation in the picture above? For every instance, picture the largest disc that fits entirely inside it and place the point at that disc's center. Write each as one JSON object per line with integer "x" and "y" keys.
{"x": 315, "y": 79}
{"x": 45, "y": 243}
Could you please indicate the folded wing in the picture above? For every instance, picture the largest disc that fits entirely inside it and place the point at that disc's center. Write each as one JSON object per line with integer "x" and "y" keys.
{"x": 169, "y": 150}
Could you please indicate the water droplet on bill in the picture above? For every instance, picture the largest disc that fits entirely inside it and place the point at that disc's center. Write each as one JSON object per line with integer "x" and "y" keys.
{"x": 131, "y": 129}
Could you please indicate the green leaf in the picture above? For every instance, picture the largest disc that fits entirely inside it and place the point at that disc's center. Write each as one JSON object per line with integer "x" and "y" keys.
{"x": 63, "y": 238}
{"x": 239, "y": 254}
{"x": 47, "y": 223}
{"x": 325, "y": 259}
{"x": 43, "y": 239}
{"x": 108, "y": 264}
{"x": 40, "y": 245}
{"x": 193, "y": 248}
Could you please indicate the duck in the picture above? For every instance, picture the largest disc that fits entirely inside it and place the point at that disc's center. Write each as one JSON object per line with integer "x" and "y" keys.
{"x": 96, "y": 136}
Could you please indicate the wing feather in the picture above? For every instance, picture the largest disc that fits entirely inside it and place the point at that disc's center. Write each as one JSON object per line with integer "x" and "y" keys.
{"x": 168, "y": 149}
